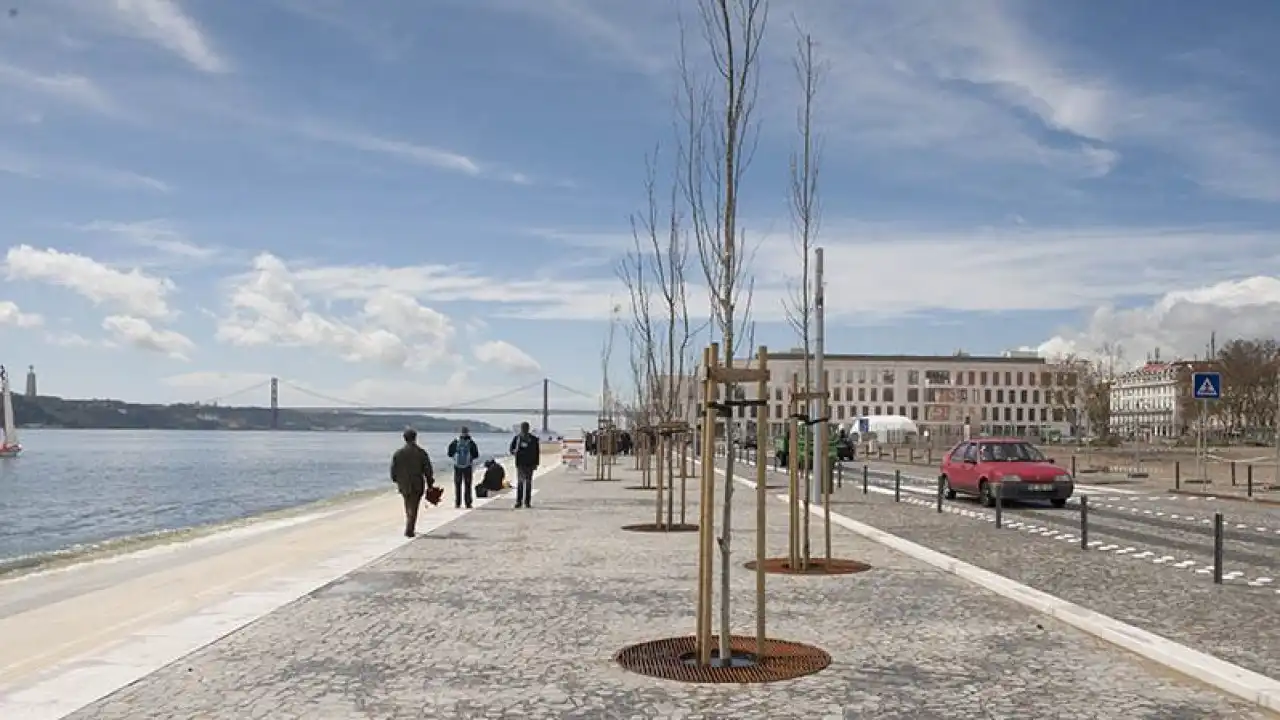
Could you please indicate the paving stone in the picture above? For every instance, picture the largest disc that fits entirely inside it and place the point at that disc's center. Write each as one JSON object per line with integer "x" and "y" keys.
{"x": 517, "y": 614}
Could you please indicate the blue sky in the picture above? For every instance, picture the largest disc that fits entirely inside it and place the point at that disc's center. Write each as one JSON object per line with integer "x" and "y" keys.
{"x": 426, "y": 201}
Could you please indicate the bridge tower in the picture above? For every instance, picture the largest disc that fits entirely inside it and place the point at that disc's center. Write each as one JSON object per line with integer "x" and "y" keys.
{"x": 545, "y": 413}
{"x": 275, "y": 403}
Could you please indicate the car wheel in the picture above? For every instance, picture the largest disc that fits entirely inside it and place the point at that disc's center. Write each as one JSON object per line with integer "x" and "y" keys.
{"x": 947, "y": 492}
{"x": 985, "y": 495}
{"x": 1058, "y": 502}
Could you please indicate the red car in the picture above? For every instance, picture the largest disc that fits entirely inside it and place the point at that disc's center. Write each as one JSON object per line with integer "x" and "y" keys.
{"x": 975, "y": 467}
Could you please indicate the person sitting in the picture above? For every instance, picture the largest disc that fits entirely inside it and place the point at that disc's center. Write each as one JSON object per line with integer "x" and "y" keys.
{"x": 494, "y": 477}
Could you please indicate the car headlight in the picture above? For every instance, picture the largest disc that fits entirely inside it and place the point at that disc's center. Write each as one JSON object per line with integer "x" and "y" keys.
{"x": 1063, "y": 478}
{"x": 1011, "y": 478}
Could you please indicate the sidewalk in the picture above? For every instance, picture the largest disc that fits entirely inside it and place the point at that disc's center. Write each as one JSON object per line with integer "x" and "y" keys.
{"x": 509, "y": 613}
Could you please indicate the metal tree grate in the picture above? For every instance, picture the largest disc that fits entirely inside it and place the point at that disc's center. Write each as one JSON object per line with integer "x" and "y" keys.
{"x": 661, "y": 528}
{"x": 676, "y": 659}
{"x": 816, "y": 566}
{"x": 640, "y": 487}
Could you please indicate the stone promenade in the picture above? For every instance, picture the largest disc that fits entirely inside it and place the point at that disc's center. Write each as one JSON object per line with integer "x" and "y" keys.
{"x": 517, "y": 614}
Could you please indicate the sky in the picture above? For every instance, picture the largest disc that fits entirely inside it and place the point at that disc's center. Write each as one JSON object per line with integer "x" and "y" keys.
{"x": 426, "y": 201}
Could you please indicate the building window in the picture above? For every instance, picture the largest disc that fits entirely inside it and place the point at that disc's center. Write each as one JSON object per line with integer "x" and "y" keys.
{"x": 1046, "y": 379}
{"x": 999, "y": 396}
{"x": 862, "y": 376}
{"x": 839, "y": 412}
{"x": 913, "y": 395}
{"x": 1020, "y": 383}
{"x": 777, "y": 394}
{"x": 915, "y": 412}
{"x": 877, "y": 409}
{"x": 984, "y": 378}
{"x": 984, "y": 412}
{"x": 986, "y": 396}
{"x": 888, "y": 377}
{"x": 995, "y": 379}
{"x": 913, "y": 377}
{"x": 862, "y": 394}
{"x": 902, "y": 410}
{"x": 1008, "y": 378}
{"x": 971, "y": 376}
{"x": 1022, "y": 397}
{"x": 888, "y": 395}
{"x": 937, "y": 377}
{"x": 1019, "y": 415}
{"x": 1008, "y": 416}
{"x": 1031, "y": 379}
{"x": 1035, "y": 396}
{"x": 866, "y": 410}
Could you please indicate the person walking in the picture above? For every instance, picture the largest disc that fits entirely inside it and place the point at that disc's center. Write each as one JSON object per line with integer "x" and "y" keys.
{"x": 411, "y": 472}
{"x": 464, "y": 452}
{"x": 526, "y": 448}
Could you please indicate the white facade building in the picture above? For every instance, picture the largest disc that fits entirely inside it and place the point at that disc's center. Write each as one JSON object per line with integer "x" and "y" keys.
{"x": 1151, "y": 402}
{"x": 1014, "y": 394}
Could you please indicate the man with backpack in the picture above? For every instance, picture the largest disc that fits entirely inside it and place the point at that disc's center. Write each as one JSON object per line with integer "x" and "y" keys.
{"x": 527, "y": 450}
{"x": 464, "y": 452}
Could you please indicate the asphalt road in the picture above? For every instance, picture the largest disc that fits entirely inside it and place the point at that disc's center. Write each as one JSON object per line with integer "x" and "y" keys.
{"x": 1149, "y": 562}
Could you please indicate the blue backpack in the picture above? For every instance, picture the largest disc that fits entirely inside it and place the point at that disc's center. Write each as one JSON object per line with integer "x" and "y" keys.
{"x": 462, "y": 453}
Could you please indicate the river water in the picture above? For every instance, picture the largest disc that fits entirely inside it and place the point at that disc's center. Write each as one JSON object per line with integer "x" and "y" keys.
{"x": 72, "y": 490}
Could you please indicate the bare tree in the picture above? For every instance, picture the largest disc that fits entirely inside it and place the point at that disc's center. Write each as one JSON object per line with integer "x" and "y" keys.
{"x": 806, "y": 212}
{"x": 717, "y": 145}
{"x": 655, "y": 275}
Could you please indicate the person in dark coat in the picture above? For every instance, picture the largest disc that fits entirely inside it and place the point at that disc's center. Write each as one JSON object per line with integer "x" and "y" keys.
{"x": 494, "y": 474}
{"x": 411, "y": 472}
{"x": 464, "y": 452}
{"x": 527, "y": 449}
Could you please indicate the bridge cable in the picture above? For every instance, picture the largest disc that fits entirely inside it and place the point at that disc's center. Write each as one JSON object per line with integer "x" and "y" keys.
{"x": 497, "y": 396}
{"x": 326, "y": 398}
{"x": 241, "y": 391}
{"x": 568, "y": 389}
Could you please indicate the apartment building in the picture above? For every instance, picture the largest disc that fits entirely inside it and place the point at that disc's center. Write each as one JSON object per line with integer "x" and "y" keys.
{"x": 1153, "y": 401}
{"x": 1013, "y": 393}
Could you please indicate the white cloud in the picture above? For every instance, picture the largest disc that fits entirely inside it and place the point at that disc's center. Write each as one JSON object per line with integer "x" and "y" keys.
{"x": 158, "y": 235}
{"x": 139, "y": 333}
{"x": 506, "y": 356}
{"x": 269, "y": 306}
{"x": 68, "y": 340}
{"x": 133, "y": 292}
{"x": 41, "y": 168}
{"x": 68, "y": 88}
{"x": 1179, "y": 323}
{"x": 164, "y": 23}
{"x": 12, "y": 315}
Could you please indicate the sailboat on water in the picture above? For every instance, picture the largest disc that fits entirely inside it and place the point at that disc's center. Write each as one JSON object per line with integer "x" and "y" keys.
{"x": 9, "y": 446}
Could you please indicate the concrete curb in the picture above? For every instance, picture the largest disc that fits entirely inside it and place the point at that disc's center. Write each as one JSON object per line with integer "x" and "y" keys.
{"x": 1233, "y": 679}
{"x": 1225, "y": 496}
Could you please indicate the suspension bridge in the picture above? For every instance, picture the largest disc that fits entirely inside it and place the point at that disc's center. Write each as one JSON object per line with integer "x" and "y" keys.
{"x": 487, "y": 405}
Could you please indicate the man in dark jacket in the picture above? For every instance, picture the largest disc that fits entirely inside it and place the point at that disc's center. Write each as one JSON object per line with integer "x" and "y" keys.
{"x": 527, "y": 450}
{"x": 464, "y": 452}
{"x": 411, "y": 472}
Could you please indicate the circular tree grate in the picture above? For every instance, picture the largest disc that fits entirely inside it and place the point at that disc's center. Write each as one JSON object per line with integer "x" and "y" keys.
{"x": 816, "y": 566}
{"x": 661, "y": 528}
{"x": 676, "y": 659}
{"x": 640, "y": 487}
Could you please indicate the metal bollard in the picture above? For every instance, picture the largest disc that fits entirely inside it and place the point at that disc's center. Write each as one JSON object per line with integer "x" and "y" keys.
{"x": 897, "y": 486}
{"x": 840, "y": 475}
{"x": 895, "y": 453}
{"x": 999, "y": 506}
{"x": 1177, "y": 474}
{"x": 1084, "y": 522}
{"x": 942, "y": 490}
{"x": 1248, "y": 478}
{"x": 1217, "y": 548}
{"x": 866, "y": 474}
{"x": 1073, "y": 466}
{"x": 1233, "y": 473}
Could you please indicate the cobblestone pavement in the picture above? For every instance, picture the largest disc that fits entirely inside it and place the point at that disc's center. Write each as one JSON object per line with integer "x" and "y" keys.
{"x": 1130, "y": 580}
{"x": 517, "y": 614}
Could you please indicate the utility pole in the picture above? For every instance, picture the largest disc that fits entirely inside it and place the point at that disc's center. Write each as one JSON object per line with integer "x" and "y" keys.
{"x": 820, "y": 446}
{"x": 1276, "y": 425}
{"x": 545, "y": 412}
{"x": 275, "y": 403}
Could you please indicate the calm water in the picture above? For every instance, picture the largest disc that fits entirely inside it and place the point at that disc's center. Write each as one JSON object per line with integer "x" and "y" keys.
{"x": 78, "y": 487}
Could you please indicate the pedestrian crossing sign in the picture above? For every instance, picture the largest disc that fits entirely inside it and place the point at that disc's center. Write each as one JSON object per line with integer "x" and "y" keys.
{"x": 1207, "y": 385}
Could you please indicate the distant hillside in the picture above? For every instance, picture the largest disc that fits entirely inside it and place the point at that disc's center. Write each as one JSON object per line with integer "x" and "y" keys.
{"x": 58, "y": 412}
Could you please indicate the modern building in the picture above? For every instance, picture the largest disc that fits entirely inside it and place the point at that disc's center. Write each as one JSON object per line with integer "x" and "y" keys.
{"x": 1015, "y": 393}
{"x": 1154, "y": 401}
{"x": 31, "y": 381}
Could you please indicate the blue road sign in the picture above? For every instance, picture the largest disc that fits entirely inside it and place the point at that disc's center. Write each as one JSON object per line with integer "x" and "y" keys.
{"x": 864, "y": 426}
{"x": 1206, "y": 385}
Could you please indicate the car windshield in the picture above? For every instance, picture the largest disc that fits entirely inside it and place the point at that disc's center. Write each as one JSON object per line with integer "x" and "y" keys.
{"x": 1011, "y": 452}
